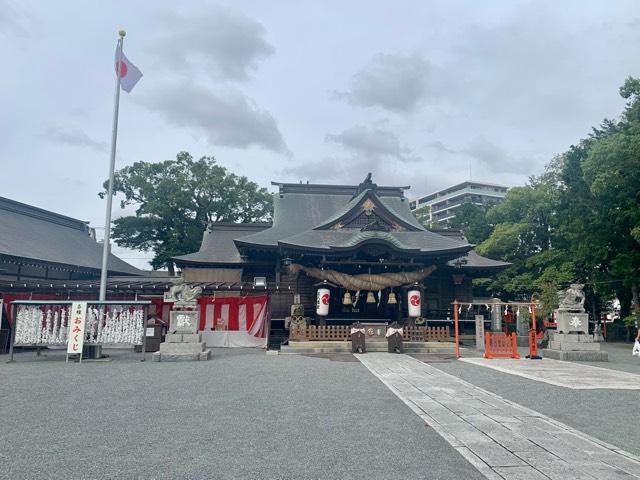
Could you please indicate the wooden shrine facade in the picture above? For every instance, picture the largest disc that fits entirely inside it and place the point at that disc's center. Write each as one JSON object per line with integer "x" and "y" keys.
{"x": 361, "y": 242}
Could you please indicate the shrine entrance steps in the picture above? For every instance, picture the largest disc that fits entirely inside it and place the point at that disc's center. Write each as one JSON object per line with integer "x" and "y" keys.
{"x": 307, "y": 347}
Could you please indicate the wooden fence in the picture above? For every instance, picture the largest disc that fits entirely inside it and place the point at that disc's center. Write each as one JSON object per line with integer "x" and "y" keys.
{"x": 329, "y": 332}
{"x": 343, "y": 332}
{"x": 499, "y": 345}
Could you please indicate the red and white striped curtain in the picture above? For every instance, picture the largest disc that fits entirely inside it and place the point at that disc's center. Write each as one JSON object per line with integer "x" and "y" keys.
{"x": 243, "y": 314}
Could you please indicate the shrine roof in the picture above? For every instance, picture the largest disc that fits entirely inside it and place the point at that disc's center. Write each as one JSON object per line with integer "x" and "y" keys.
{"x": 421, "y": 242}
{"x": 472, "y": 260}
{"x": 390, "y": 205}
{"x": 28, "y": 232}
{"x": 323, "y": 217}
{"x": 476, "y": 261}
{"x": 218, "y": 243}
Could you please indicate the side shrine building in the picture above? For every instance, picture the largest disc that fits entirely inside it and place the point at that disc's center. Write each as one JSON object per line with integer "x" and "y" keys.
{"x": 348, "y": 252}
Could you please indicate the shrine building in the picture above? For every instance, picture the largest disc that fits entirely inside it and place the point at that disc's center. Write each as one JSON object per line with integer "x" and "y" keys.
{"x": 333, "y": 255}
{"x": 360, "y": 244}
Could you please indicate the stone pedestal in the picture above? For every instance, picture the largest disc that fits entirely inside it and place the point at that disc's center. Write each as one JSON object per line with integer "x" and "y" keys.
{"x": 572, "y": 322}
{"x": 574, "y": 347}
{"x": 182, "y": 346}
{"x": 184, "y": 342}
{"x": 571, "y": 340}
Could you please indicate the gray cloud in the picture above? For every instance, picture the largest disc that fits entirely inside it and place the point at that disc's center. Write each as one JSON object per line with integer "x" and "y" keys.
{"x": 13, "y": 19}
{"x": 227, "y": 118}
{"x": 439, "y": 147}
{"x": 373, "y": 141}
{"x": 351, "y": 171}
{"x": 495, "y": 158}
{"x": 534, "y": 70}
{"x": 398, "y": 83}
{"x": 342, "y": 170}
{"x": 224, "y": 44}
{"x": 73, "y": 136}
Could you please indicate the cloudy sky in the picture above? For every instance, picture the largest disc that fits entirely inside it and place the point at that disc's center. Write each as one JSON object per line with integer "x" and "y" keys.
{"x": 417, "y": 92}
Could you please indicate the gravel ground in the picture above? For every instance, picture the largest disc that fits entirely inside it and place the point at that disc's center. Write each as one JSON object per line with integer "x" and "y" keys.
{"x": 610, "y": 415}
{"x": 243, "y": 414}
{"x": 620, "y": 358}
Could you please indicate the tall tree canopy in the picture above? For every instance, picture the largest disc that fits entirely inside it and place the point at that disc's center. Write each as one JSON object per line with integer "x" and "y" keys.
{"x": 579, "y": 221}
{"x": 176, "y": 199}
{"x": 471, "y": 219}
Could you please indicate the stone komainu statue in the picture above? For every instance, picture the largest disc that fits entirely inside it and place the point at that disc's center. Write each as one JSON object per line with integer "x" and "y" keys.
{"x": 181, "y": 292}
{"x": 572, "y": 298}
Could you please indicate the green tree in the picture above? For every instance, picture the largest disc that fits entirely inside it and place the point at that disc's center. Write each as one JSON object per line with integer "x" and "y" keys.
{"x": 176, "y": 199}
{"x": 471, "y": 219}
{"x": 580, "y": 221}
{"x": 423, "y": 215}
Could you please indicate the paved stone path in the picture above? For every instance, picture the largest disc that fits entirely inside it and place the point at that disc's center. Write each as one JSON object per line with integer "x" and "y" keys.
{"x": 502, "y": 439}
{"x": 562, "y": 374}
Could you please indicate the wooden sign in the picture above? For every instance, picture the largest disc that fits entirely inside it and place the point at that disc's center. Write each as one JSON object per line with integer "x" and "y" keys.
{"x": 75, "y": 340}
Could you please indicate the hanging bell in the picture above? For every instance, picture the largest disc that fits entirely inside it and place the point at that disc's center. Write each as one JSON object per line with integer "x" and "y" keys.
{"x": 346, "y": 298}
{"x": 371, "y": 298}
{"x": 392, "y": 299}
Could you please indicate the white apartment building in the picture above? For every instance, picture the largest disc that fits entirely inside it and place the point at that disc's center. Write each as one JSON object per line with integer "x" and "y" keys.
{"x": 441, "y": 205}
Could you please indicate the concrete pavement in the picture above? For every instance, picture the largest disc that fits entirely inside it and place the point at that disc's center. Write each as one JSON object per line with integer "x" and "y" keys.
{"x": 502, "y": 439}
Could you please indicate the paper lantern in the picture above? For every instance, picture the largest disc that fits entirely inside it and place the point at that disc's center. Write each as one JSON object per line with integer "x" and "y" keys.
{"x": 392, "y": 299}
{"x": 346, "y": 299}
{"x": 413, "y": 297}
{"x": 322, "y": 302}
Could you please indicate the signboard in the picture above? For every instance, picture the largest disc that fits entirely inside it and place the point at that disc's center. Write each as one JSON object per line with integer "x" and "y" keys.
{"x": 75, "y": 340}
{"x": 480, "y": 333}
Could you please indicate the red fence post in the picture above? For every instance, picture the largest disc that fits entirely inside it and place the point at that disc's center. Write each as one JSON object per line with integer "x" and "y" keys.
{"x": 487, "y": 345}
{"x": 514, "y": 346}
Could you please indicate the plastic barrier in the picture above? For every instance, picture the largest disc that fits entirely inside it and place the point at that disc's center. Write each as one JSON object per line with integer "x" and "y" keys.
{"x": 499, "y": 345}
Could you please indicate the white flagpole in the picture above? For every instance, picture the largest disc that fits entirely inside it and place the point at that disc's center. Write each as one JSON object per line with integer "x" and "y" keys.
{"x": 112, "y": 165}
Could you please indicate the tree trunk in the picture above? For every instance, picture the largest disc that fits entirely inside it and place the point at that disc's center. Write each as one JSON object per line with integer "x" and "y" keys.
{"x": 625, "y": 298}
{"x": 171, "y": 269}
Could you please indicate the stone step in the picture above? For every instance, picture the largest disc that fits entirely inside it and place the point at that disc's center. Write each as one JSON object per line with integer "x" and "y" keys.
{"x": 576, "y": 356}
{"x": 570, "y": 337}
{"x": 181, "y": 357}
{"x": 345, "y": 347}
{"x": 575, "y": 346}
{"x": 183, "y": 337}
{"x": 182, "y": 348}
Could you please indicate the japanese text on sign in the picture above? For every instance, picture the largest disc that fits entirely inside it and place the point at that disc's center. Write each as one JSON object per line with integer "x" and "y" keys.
{"x": 75, "y": 339}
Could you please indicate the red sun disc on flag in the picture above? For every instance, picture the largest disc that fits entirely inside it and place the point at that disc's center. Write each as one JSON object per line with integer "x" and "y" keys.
{"x": 325, "y": 299}
{"x": 414, "y": 300}
{"x": 123, "y": 69}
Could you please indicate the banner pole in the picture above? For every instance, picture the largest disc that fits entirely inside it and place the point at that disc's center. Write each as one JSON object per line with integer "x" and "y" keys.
{"x": 112, "y": 164}
{"x": 457, "y": 331}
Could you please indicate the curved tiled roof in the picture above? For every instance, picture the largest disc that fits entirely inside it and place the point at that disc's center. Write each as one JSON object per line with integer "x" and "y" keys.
{"x": 423, "y": 242}
{"x": 306, "y": 221}
{"x": 218, "y": 243}
{"x": 33, "y": 233}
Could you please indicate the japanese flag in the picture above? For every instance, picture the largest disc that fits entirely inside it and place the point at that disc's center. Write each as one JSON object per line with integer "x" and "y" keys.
{"x": 129, "y": 73}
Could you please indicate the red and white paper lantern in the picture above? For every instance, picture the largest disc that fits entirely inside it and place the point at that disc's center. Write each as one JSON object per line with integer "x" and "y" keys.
{"x": 322, "y": 302}
{"x": 413, "y": 297}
